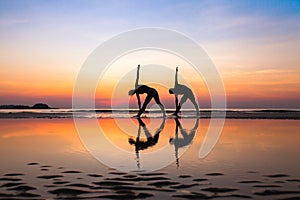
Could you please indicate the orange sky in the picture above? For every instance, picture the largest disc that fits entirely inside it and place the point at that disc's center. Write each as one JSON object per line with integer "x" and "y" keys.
{"x": 244, "y": 88}
{"x": 261, "y": 88}
{"x": 254, "y": 45}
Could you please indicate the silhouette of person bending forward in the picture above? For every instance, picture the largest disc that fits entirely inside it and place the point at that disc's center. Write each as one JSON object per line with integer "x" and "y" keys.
{"x": 151, "y": 93}
{"x": 185, "y": 91}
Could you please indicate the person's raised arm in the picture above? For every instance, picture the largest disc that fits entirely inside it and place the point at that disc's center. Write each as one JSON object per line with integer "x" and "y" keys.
{"x": 176, "y": 77}
{"x": 137, "y": 76}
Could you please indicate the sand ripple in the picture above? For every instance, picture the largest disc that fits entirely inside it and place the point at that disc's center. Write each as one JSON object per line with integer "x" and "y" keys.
{"x": 76, "y": 184}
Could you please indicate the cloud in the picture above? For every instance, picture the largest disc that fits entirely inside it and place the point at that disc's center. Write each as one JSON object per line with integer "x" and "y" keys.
{"x": 11, "y": 22}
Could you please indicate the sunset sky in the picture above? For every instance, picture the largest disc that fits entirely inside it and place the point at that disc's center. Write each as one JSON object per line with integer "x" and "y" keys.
{"x": 254, "y": 44}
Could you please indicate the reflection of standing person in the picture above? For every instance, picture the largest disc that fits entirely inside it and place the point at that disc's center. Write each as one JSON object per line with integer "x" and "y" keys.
{"x": 142, "y": 89}
{"x": 182, "y": 90}
{"x": 151, "y": 140}
{"x": 186, "y": 140}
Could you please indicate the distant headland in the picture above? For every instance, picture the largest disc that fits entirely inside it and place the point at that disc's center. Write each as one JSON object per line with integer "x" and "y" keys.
{"x": 35, "y": 106}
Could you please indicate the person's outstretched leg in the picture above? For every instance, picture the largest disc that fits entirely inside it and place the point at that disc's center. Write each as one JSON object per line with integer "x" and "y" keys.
{"x": 196, "y": 105}
{"x": 157, "y": 100}
{"x": 146, "y": 102}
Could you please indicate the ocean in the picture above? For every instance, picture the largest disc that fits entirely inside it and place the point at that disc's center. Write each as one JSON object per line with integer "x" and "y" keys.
{"x": 154, "y": 113}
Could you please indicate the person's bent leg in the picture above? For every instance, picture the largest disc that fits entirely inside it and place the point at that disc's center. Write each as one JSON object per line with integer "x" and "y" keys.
{"x": 157, "y": 100}
{"x": 182, "y": 101}
{"x": 146, "y": 102}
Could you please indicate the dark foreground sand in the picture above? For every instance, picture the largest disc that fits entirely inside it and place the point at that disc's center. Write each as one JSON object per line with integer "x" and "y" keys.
{"x": 61, "y": 183}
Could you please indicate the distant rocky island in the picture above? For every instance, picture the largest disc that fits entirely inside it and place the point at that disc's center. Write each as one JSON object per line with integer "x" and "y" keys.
{"x": 35, "y": 106}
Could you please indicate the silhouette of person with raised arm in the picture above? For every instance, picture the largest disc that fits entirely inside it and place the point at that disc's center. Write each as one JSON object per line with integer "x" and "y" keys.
{"x": 151, "y": 93}
{"x": 149, "y": 142}
{"x": 186, "y": 140}
{"x": 187, "y": 93}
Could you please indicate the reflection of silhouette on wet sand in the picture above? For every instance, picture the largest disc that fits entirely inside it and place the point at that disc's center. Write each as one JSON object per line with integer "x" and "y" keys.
{"x": 187, "y": 93}
{"x": 186, "y": 140}
{"x": 151, "y": 93}
{"x": 150, "y": 141}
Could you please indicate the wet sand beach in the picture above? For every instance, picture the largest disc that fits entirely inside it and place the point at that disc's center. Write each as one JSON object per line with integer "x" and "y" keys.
{"x": 253, "y": 159}
{"x": 58, "y": 184}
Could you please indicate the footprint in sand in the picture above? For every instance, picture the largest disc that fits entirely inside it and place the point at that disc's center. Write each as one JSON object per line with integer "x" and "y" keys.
{"x": 249, "y": 181}
{"x": 71, "y": 172}
{"x": 95, "y": 175}
{"x": 219, "y": 189}
{"x": 33, "y": 163}
{"x": 200, "y": 179}
{"x": 214, "y": 174}
{"x": 276, "y": 175}
{"x": 184, "y": 176}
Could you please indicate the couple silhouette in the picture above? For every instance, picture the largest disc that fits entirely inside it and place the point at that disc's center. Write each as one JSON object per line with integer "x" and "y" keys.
{"x": 178, "y": 89}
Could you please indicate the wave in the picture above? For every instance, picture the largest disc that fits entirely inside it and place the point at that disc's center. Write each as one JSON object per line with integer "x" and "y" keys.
{"x": 127, "y": 113}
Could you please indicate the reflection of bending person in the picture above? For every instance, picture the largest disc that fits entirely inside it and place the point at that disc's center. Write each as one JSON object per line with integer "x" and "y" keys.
{"x": 151, "y": 93}
{"x": 185, "y": 91}
{"x": 186, "y": 140}
{"x": 150, "y": 141}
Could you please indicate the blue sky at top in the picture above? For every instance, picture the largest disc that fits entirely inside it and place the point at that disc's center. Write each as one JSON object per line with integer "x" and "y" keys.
{"x": 244, "y": 38}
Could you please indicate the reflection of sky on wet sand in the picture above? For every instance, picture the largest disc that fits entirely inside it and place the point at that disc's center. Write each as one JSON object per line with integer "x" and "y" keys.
{"x": 263, "y": 145}
{"x": 246, "y": 150}
{"x": 29, "y": 140}
{"x": 116, "y": 145}
{"x": 247, "y": 144}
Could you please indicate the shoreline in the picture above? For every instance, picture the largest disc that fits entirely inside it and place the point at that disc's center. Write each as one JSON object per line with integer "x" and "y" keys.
{"x": 258, "y": 114}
